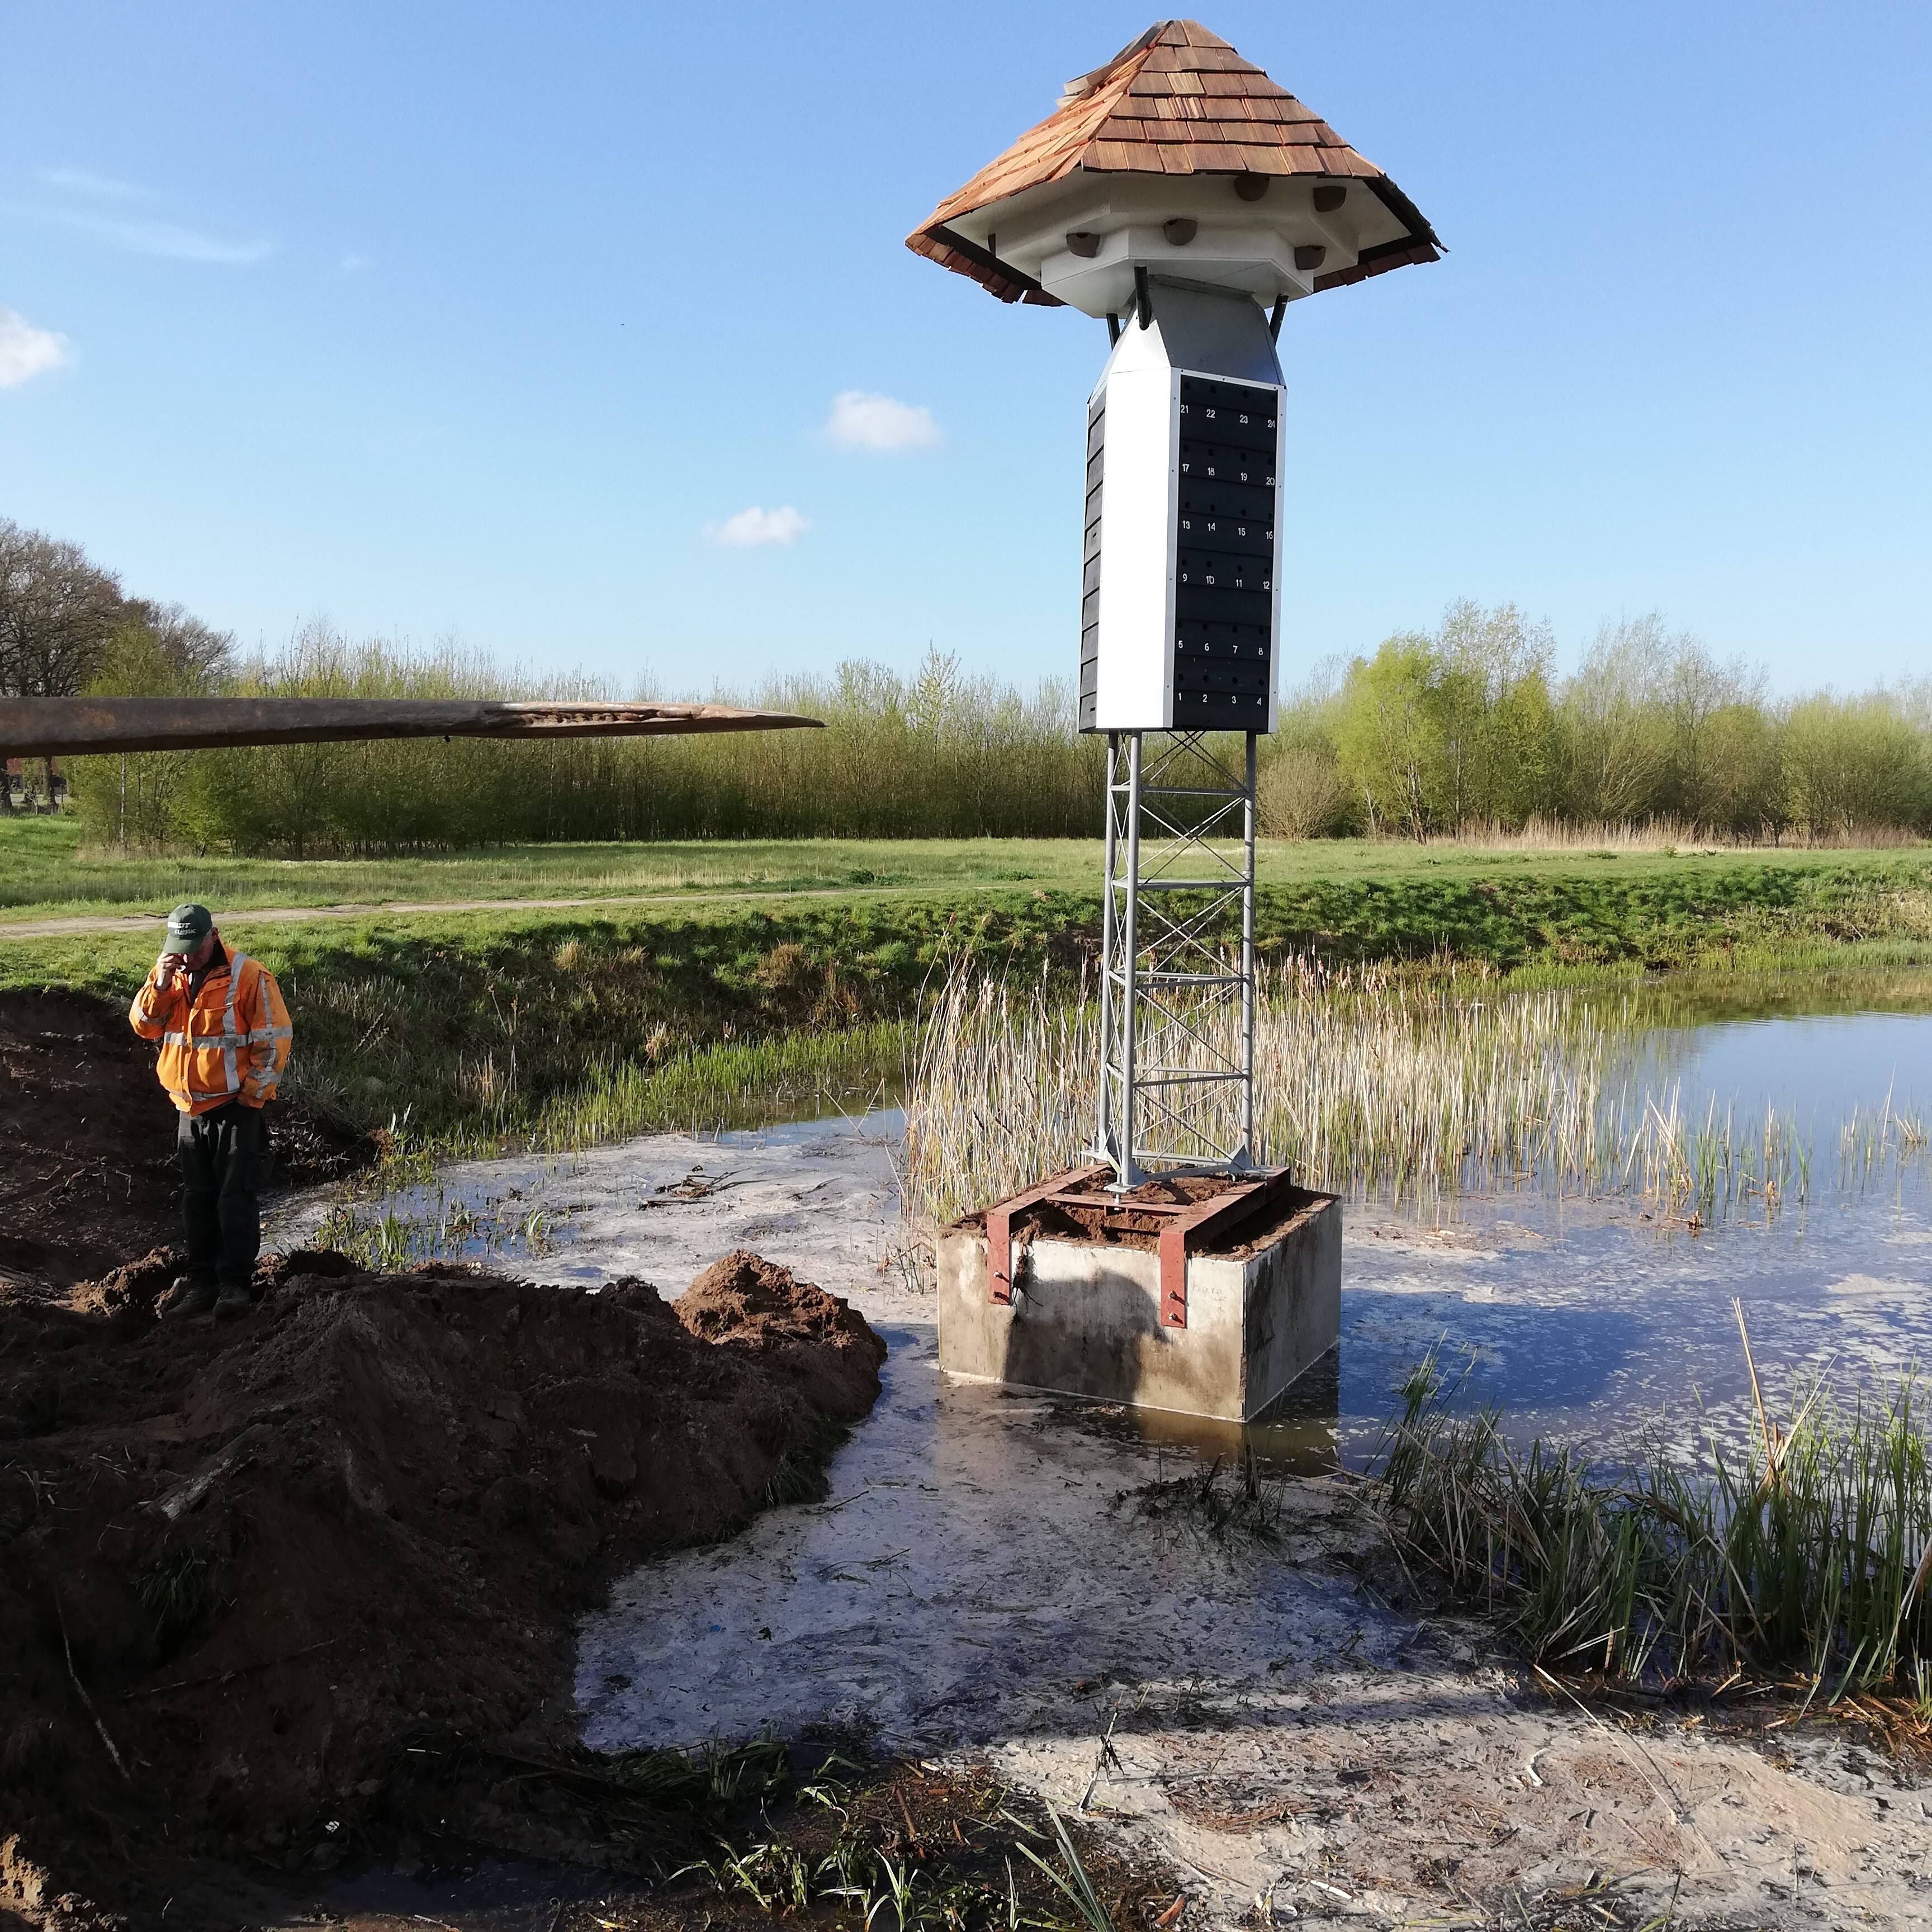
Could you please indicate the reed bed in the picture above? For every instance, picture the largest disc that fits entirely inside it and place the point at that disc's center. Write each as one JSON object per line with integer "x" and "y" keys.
{"x": 1544, "y": 831}
{"x": 1363, "y": 1082}
{"x": 1369, "y": 1085}
{"x": 1805, "y": 1554}
{"x": 733, "y": 1084}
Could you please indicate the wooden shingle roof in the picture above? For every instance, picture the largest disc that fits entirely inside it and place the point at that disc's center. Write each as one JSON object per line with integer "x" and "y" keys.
{"x": 1179, "y": 100}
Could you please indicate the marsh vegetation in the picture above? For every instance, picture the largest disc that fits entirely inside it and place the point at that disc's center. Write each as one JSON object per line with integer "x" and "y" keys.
{"x": 1368, "y": 1082}
{"x": 1801, "y": 1553}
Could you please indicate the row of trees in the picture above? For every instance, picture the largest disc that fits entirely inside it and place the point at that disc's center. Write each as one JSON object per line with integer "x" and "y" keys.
{"x": 1468, "y": 725}
{"x": 938, "y": 754}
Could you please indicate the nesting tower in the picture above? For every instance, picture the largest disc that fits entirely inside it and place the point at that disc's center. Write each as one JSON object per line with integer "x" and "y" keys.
{"x": 1179, "y": 193}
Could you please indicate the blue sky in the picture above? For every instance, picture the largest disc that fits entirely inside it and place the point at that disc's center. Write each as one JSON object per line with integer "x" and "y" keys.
{"x": 494, "y": 322}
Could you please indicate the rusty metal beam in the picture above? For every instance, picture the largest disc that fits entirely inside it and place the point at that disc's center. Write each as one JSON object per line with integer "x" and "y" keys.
{"x": 1193, "y": 1230}
{"x": 999, "y": 1219}
{"x": 1187, "y": 1227}
{"x": 45, "y": 728}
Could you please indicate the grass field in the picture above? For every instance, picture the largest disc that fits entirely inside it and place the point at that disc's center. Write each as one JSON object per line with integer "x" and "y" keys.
{"x": 44, "y": 873}
{"x": 585, "y": 1021}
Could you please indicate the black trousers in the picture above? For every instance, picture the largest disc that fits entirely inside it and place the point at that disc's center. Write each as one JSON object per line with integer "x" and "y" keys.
{"x": 225, "y": 1159}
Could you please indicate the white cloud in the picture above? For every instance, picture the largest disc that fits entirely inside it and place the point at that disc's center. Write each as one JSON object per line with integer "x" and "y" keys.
{"x": 167, "y": 239}
{"x": 78, "y": 180}
{"x": 352, "y": 264}
{"x": 860, "y": 421}
{"x": 752, "y": 527}
{"x": 26, "y": 352}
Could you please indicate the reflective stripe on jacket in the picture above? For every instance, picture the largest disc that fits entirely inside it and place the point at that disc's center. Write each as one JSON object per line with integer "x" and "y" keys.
{"x": 229, "y": 1040}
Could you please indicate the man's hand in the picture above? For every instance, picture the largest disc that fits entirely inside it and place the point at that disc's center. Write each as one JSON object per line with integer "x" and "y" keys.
{"x": 167, "y": 968}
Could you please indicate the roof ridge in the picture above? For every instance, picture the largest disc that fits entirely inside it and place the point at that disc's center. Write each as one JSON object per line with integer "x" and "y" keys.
{"x": 1083, "y": 85}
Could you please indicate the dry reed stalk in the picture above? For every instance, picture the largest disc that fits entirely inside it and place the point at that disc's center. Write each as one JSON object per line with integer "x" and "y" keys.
{"x": 1361, "y": 1083}
{"x": 1364, "y": 1084}
{"x": 1542, "y": 833}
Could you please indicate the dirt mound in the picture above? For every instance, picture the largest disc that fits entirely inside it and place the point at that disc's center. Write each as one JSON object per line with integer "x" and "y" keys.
{"x": 746, "y": 1300}
{"x": 91, "y": 1174}
{"x": 261, "y": 1585}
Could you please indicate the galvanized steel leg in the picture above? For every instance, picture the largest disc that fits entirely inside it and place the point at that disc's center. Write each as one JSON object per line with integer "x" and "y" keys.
{"x": 1126, "y": 1166}
{"x": 1245, "y": 1156}
{"x": 1102, "y": 1138}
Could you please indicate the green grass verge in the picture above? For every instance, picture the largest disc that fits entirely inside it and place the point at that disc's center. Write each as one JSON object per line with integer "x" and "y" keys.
{"x": 45, "y": 872}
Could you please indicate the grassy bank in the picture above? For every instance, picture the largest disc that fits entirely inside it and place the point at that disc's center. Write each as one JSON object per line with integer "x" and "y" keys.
{"x": 462, "y": 1028}
{"x": 463, "y": 1031}
{"x": 1535, "y": 919}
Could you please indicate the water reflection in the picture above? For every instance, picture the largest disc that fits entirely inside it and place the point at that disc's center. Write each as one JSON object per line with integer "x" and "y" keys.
{"x": 1593, "y": 1319}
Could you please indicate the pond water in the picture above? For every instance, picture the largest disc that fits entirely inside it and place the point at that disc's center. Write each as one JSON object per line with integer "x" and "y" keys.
{"x": 984, "y": 1572}
{"x": 1589, "y": 1319}
{"x": 1586, "y": 1318}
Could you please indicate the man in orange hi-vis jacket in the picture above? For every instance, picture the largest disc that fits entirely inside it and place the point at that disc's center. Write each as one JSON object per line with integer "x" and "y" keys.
{"x": 224, "y": 1036}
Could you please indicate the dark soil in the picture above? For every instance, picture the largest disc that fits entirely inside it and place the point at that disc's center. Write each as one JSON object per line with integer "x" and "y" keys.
{"x": 819, "y": 1835}
{"x": 279, "y": 1596}
{"x": 90, "y": 1176}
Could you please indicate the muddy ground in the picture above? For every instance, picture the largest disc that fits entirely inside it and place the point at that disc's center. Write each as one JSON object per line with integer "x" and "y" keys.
{"x": 281, "y": 1596}
{"x": 1016, "y": 1587}
{"x": 90, "y": 1178}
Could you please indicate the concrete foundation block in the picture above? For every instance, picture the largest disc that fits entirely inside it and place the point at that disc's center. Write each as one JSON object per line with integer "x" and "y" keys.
{"x": 1085, "y": 1318}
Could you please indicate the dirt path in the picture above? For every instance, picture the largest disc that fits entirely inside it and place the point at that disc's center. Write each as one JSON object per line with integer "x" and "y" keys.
{"x": 239, "y": 916}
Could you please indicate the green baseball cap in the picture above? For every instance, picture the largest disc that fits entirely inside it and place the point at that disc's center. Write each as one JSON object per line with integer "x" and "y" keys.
{"x": 188, "y": 926}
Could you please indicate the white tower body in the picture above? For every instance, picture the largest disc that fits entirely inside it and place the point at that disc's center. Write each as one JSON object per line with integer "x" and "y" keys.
{"x": 1181, "y": 566}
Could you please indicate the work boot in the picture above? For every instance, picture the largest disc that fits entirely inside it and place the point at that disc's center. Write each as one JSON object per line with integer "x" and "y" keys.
{"x": 234, "y": 1300}
{"x": 188, "y": 1298}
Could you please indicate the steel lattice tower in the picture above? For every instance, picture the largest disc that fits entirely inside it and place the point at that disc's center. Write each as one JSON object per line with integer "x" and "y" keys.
{"x": 1176, "y": 1015}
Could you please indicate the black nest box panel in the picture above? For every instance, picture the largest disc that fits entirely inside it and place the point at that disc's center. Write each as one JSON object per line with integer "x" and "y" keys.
{"x": 1180, "y": 590}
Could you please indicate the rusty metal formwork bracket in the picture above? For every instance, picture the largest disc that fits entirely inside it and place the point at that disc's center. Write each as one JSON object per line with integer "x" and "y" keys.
{"x": 1187, "y": 1226}
{"x": 999, "y": 1219}
{"x": 1190, "y": 1228}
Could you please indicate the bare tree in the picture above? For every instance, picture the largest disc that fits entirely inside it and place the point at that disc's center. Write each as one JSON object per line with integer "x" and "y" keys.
{"x": 57, "y": 611}
{"x": 1620, "y": 754}
{"x": 201, "y": 655}
{"x": 1697, "y": 690}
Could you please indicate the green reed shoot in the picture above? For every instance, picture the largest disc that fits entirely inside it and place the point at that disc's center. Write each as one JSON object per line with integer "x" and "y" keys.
{"x": 1805, "y": 1553}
